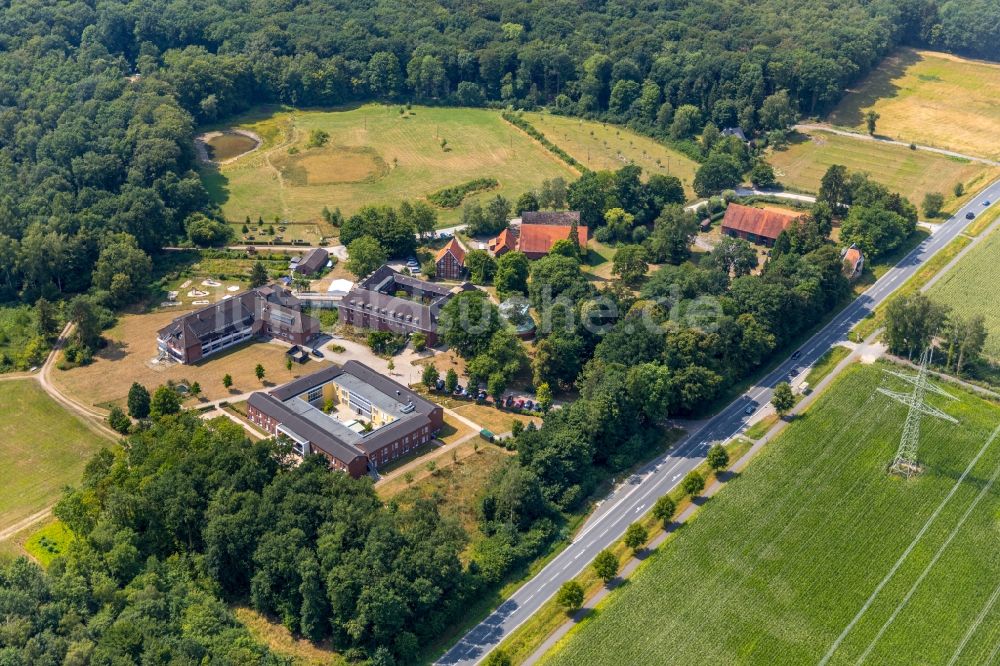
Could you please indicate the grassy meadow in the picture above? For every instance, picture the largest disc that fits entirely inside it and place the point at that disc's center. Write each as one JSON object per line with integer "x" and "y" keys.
{"x": 43, "y": 448}
{"x": 912, "y": 173}
{"x": 968, "y": 288}
{"x": 931, "y": 98}
{"x": 779, "y": 564}
{"x": 599, "y": 146}
{"x": 374, "y": 155}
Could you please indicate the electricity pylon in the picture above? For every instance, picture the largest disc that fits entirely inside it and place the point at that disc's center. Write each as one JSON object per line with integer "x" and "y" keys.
{"x": 905, "y": 463}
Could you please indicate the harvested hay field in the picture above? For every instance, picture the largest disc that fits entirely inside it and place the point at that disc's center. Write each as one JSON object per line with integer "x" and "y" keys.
{"x": 605, "y": 146}
{"x": 374, "y": 154}
{"x": 912, "y": 173}
{"x": 936, "y": 99}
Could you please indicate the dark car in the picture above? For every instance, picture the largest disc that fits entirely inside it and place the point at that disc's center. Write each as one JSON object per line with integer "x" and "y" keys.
{"x": 519, "y": 404}
{"x": 317, "y": 353}
{"x": 970, "y": 215}
{"x": 797, "y": 355}
{"x": 528, "y": 404}
{"x": 439, "y": 384}
{"x": 986, "y": 203}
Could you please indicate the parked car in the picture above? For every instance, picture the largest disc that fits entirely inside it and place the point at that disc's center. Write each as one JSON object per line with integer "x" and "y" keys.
{"x": 458, "y": 390}
{"x": 538, "y": 406}
{"x": 528, "y": 404}
{"x": 315, "y": 352}
{"x": 970, "y": 215}
{"x": 439, "y": 384}
{"x": 519, "y": 404}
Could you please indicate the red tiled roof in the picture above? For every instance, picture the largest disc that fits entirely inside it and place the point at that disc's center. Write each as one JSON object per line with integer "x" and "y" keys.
{"x": 762, "y": 222}
{"x": 455, "y": 248}
{"x": 539, "y": 238}
{"x": 852, "y": 256}
{"x": 506, "y": 239}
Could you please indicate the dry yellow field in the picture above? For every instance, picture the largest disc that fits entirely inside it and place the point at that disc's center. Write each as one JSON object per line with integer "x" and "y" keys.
{"x": 912, "y": 173}
{"x": 604, "y": 146}
{"x": 930, "y": 98}
{"x": 375, "y": 155}
{"x": 133, "y": 344}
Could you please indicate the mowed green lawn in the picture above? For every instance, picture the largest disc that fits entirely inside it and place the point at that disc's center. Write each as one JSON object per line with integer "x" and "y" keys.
{"x": 970, "y": 288}
{"x": 375, "y": 155}
{"x": 605, "y": 146}
{"x": 912, "y": 173}
{"x": 936, "y": 99}
{"x": 778, "y": 565}
{"x": 43, "y": 448}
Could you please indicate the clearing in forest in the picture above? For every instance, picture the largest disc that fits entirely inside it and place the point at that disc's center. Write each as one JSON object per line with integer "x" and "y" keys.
{"x": 603, "y": 146}
{"x": 912, "y": 173}
{"x": 936, "y": 99}
{"x": 374, "y": 154}
{"x": 814, "y": 551}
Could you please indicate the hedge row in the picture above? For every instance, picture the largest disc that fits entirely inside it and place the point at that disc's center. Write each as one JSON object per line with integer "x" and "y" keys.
{"x": 451, "y": 197}
{"x": 529, "y": 129}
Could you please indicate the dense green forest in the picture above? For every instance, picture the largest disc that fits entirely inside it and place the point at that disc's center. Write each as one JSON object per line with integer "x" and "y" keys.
{"x": 98, "y": 100}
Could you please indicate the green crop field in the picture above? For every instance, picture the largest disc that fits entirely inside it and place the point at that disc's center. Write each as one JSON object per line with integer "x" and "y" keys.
{"x": 604, "y": 146}
{"x": 375, "y": 155}
{"x": 912, "y": 173}
{"x": 935, "y": 99}
{"x": 42, "y": 449}
{"x": 816, "y": 551}
{"x": 968, "y": 288}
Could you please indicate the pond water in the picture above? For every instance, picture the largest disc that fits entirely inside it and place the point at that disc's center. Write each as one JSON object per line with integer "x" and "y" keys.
{"x": 228, "y": 145}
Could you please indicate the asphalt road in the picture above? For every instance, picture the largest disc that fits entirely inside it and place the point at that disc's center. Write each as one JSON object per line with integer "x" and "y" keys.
{"x": 638, "y": 494}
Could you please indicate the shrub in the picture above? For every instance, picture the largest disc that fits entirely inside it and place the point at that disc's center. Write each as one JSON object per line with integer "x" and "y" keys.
{"x": 451, "y": 197}
{"x": 119, "y": 420}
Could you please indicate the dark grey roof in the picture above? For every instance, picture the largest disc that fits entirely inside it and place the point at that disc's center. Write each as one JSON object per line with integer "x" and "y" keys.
{"x": 212, "y": 320}
{"x": 303, "y": 427}
{"x": 560, "y": 217}
{"x": 376, "y": 294}
{"x": 313, "y": 261}
{"x": 336, "y": 441}
{"x": 239, "y": 311}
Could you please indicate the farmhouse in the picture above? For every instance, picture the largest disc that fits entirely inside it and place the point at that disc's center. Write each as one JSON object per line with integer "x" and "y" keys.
{"x": 504, "y": 243}
{"x": 757, "y": 225}
{"x": 450, "y": 261}
{"x": 356, "y": 418}
{"x": 535, "y": 239}
{"x": 265, "y": 311}
{"x": 313, "y": 262}
{"x": 387, "y": 300}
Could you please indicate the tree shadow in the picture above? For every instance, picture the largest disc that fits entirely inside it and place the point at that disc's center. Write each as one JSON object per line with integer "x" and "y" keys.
{"x": 215, "y": 183}
{"x": 725, "y": 476}
{"x": 877, "y": 85}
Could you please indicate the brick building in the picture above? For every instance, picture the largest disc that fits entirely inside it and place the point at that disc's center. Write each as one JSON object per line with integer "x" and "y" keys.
{"x": 449, "y": 263}
{"x": 756, "y": 225}
{"x": 265, "y": 311}
{"x": 387, "y": 300}
{"x": 356, "y": 418}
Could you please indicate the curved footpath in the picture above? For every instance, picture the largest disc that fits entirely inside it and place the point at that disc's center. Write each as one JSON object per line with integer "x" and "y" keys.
{"x": 629, "y": 501}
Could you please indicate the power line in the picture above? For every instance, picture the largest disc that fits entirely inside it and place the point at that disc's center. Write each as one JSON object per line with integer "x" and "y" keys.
{"x": 905, "y": 462}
